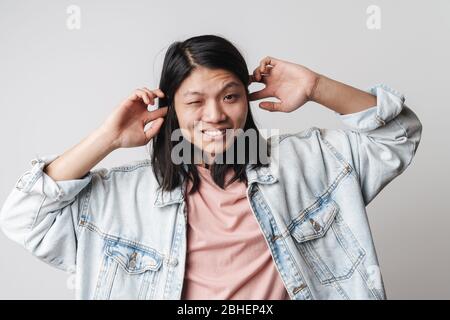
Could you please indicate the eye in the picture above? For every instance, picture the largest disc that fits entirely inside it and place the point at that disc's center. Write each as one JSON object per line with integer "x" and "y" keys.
{"x": 232, "y": 95}
{"x": 194, "y": 102}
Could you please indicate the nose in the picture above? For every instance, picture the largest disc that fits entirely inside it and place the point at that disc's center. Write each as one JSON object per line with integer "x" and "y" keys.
{"x": 213, "y": 112}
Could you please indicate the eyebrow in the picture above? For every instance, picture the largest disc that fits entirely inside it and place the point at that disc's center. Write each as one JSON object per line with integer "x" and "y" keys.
{"x": 228, "y": 85}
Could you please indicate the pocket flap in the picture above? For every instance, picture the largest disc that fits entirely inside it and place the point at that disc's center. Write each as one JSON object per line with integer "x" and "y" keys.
{"x": 134, "y": 259}
{"x": 315, "y": 223}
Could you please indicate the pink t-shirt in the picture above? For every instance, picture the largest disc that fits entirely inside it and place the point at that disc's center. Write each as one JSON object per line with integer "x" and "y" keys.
{"x": 227, "y": 255}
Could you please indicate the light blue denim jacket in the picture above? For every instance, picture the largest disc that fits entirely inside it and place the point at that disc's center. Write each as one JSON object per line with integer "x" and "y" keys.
{"x": 127, "y": 240}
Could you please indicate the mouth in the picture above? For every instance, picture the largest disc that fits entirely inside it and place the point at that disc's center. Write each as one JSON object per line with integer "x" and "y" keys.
{"x": 214, "y": 133}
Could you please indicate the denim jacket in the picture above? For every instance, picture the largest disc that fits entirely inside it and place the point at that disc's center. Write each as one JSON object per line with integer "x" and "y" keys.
{"x": 124, "y": 239}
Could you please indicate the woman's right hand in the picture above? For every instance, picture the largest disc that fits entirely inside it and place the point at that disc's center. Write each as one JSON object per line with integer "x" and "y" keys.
{"x": 126, "y": 124}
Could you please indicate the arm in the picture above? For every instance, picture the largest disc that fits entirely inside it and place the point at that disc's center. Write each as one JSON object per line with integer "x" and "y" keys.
{"x": 44, "y": 210}
{"x": 80, "y": 159}
{"x": 379, "y": 142}
{"x": 382, "y": 133}
{"x": 340, "y": 97}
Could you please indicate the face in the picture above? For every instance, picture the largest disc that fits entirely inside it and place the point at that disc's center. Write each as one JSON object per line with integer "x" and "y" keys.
{"x": 210, "y": 105}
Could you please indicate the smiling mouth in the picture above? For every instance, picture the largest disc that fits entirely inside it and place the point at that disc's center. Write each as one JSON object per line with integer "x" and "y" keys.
{"x": 214, "y": 133}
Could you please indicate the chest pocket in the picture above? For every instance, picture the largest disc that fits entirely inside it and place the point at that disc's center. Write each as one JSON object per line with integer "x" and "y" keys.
{"x": 128, "y": 271}
{"x": 326, "y": 243}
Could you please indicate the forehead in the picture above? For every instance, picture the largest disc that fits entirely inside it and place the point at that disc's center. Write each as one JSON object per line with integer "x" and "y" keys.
{"x": 203, "y": 81}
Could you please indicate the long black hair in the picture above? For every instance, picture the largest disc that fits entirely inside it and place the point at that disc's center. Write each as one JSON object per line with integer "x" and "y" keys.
{"x": 181, "y": 58}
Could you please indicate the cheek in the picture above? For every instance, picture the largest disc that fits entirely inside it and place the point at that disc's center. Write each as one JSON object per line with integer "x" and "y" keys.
{"x": 187, "y": 122}
{"x": 183, "y": 118}
{"x": 239, "y": 116}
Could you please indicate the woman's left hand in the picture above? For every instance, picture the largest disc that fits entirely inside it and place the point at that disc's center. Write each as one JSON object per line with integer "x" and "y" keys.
{"x": 291, "y": 83}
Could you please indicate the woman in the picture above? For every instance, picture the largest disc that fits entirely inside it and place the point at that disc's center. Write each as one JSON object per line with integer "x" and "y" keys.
{"x": 291, "y": 225}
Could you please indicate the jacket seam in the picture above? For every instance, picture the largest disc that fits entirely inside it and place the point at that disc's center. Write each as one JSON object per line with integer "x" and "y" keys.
{"x": 124, "y": 168}
{"x": 411, "y": 153}
{"x": 108, "y": 237}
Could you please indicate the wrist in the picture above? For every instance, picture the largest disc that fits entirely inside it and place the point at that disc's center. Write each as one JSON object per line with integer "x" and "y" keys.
{"x": 312, "y": 94}
{"x": 108, "y": 141}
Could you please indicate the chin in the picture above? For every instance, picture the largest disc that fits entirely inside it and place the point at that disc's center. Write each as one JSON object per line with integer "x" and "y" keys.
{"x": 214, "y": 150}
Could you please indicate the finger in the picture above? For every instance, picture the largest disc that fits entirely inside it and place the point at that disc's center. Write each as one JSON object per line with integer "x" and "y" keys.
{"x": 135, "y": 96}
{"x": 154, "y": 128}
{"x": 157, "y": 113}
{"x": 261, "y": 94}
{"x": 159, "y": 93}
{"x": 146, "y": 96}
{"x": 156, "y": 93}
{"x": 270, "y": 106}
{"x": 264, "y": 68}
{"x": 267, "y": 61}
{"x": 139, "y": 94}
{"x": 150, "y": 94}
{"x": 257, "y": 75}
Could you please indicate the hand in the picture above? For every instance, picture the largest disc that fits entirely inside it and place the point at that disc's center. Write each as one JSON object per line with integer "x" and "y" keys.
{"x": 292, "y": 84}
{"x": 126, "y": 124}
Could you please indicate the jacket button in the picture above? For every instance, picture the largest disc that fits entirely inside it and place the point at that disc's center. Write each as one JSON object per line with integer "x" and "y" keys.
{"x": 275, "y": 238}
{"x": 20, "y": 184}
{"x": 298, "y": 289}
{"x": 174, "y": 262}
{"x": 132, "y": 263}
{"x": 315, "y": 225}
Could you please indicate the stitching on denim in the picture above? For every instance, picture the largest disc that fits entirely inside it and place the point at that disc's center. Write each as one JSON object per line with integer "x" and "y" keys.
{"x": 150, "y": 294}
{"x": 124, "y": 168}
{"x": 318, "y": 202}
{"x": 117, "y": 257}
{"x": 291, "y": 261}
{"x": 83, "y": 216}
{"x": 266, "y": 234}
{"x": 344, "y": 242}
{"x": 301, "y": 134}
{"x": 340, "y": 290}
{"x": 309, "y": 254}
{"x": 377, "y": 294}
{"x": 412, "y": 145}
{"x": 110, "y": 276}
{"x": 339, "y": 156}
{"x": 324, "y": 227}
{"x": 320, "y": 268}
{"x": 144, "y": 284}
{"x": 112, "y": 238}
{"x": 355, "y": 261}
{"x": 101, "y": 274}
{"x": 310, "y": 257}
{"x": 174, "y": 249}
{"x": 32, "y": 181}
{"x": 334, "y": 151}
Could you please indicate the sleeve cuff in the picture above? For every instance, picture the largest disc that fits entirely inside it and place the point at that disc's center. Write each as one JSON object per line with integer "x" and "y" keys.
{"x": 389, "y": 105}
{"x": 56, "y": 190}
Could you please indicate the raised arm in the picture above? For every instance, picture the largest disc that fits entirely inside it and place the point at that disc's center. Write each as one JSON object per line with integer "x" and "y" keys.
{"x": 340, "y": 97}
{"x": 382, "y": 133}
{"x": 123, "y": 129}
{"x": 43, "y": 211}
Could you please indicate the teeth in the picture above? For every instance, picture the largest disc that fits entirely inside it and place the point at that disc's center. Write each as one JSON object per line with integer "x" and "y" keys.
{"x": 214, "y": 132}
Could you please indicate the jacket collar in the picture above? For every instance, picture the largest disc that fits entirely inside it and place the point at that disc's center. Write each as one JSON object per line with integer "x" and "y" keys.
{"x": 261, "y": 175}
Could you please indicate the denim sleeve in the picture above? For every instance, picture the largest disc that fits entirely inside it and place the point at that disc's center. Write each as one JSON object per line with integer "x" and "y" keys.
{"x": 379, "y": 142}
{"x": 42, "y": 214}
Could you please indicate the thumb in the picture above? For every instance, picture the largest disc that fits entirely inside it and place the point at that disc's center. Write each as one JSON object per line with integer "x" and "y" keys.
{"x": 257, "y": 95}
{"x": 270, "y": 106}
{"x": 154, "y": 128}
